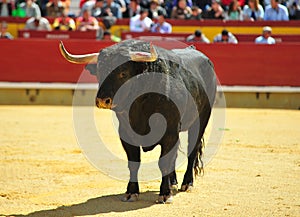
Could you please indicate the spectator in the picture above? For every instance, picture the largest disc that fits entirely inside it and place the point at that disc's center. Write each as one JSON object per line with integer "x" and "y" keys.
{"x": 66, "y": 4}
{"x": 82, "y": 2}
{"x": 225, "y": 37}
{"x": 97, "y": 11}
{"x": 196, "y": 13}
{"x": 133, "y": 9}
{"x": 54, "y": 8}
{"x": 188, "y": 3}
{"x": 87, "y": 22}
{"x": 114, "y": 8}
{"x": 181, "y": 11}
{"x": 198, "y": 36}
{"x": 108, "y": 20}
{"x": 43, "y": 6}
{"x": 123, "y": 5}
{"x": 31, "y": 8}
{"x": 107, "y": 36}
{"x": 204, "y": 5}
{"x": 144, "y": 3}
{"x": 225, "y": 3}
{"x": 91, "y": 5}
{"x": 294, "y": 9}
{"x": 215, "y": 11}
{"x": 276, "y": 11}
{"x": 64, "y": 23}
{"x": 265, "y": 3}
{"x": 140, "y": 22}
{"x": 253, "y": 11}
{"x": 266, "y": 37}
{"x": 234, "y": 11}
{"x": 168, "y": 5}
{"x": 155, "y": 9}
{"x": 6, "y": 8}
{"x": 99, "y": 8}
{"x": 18, "y": 11}
{"x": 4, "y": 34}
{"x": 38, "y": 23}
{"x": 96, "y": 8}
{"x": 161, "y": 26}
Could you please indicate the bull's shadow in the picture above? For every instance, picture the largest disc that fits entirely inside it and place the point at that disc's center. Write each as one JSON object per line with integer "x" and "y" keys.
{"x": 99, "y": 205}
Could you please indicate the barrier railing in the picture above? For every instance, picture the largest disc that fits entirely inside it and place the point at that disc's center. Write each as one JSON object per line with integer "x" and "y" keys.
{"x": 57, "y": 34}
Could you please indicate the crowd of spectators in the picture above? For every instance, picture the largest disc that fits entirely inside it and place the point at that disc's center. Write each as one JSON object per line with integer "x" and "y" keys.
{"x": 173, "y": 9}
{"x": 145, "y": 15}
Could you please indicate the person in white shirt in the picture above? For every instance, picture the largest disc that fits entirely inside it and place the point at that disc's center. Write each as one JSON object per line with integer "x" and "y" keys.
{"x": 4, "y": 34}
{"x": 38, "y": 23}
{"x": 198, "y": 36}
{"x": 140, "y": 22}
{"x": 265, "y": 38}
{"x": 31, "y": 8}
{"x": 225, "y": 37}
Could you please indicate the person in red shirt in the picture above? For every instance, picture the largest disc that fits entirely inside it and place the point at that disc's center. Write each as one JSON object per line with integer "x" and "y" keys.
{"x": 87, "y": 22}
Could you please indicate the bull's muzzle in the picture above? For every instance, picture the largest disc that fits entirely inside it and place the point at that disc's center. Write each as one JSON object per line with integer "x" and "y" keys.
{"x": 105, "y": 103}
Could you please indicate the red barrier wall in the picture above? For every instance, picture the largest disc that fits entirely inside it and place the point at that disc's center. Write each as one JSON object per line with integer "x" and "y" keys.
{"x": 37, "y": 60}
{"x": 257, "y": 65}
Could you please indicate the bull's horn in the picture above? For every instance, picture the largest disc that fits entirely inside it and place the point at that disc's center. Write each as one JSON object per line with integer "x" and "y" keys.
{"x": 79, "y": 59}
{"x": 138, "y": 56}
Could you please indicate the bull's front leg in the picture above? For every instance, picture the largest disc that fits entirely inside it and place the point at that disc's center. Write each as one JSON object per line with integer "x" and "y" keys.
{"x": 169, "y": 147}
{"x": 134, "y": 160}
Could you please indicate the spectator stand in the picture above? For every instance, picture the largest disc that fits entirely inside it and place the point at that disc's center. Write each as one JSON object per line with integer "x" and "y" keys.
{"x": 209, "y": 27}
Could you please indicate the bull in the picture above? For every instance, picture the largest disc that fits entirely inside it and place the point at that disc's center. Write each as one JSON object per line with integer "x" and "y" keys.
{"x": 186, "y": 78}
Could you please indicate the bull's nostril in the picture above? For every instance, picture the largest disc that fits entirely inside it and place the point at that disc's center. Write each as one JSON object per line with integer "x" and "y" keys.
{"x": 104, "y": 103}
{"x": 108, "y": 101}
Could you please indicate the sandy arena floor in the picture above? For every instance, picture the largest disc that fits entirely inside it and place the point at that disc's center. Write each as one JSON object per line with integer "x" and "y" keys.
{"x": 43, "y": 172}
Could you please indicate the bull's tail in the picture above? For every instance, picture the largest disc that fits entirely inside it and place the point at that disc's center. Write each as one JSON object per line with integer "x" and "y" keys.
{"x": 198, "y": 165}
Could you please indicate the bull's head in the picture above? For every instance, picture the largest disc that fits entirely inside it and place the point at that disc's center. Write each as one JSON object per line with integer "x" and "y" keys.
{"x": 116, "y": 76}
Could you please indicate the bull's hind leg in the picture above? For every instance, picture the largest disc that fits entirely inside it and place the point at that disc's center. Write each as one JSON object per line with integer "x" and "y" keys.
{"x": 195, "y": 134}
{"x": 187, "y": 183}
{"x": 169, "y": 147}
{"x": 134, "y": 160}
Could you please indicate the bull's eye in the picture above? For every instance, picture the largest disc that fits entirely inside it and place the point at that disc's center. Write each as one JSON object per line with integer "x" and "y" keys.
{"x": 123, "y": 75}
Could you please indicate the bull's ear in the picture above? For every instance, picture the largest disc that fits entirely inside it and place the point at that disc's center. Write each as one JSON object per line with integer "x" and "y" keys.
{"x": 92, "y": 68}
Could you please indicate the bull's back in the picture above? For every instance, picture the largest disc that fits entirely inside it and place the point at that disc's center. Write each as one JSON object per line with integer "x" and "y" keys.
{"x": 198, "y": 69}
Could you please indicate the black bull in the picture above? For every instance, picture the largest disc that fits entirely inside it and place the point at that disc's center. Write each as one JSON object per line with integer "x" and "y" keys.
{"x": 179, "y": 84}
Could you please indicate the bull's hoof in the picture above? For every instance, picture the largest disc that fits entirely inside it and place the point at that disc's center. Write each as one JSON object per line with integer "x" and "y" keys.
{"x": 164, "y": 199}
{"x": 173, "y": 189}
{"x": 130, "y": 198}
{"x": 187, "y": 188}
